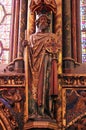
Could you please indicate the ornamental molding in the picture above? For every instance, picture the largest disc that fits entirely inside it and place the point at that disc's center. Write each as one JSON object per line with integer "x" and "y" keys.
{"x": 73, "y": 80}
{"x": 12, "y": 80}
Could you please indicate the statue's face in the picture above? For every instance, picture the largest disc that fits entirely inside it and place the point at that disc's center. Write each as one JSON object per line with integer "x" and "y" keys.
{"x": 43, "y": 23}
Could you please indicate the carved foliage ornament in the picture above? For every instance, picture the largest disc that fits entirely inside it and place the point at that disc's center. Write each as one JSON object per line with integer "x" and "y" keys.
{"x": 76, "y": 80}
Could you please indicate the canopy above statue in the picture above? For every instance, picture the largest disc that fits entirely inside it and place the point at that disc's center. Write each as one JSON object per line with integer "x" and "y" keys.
{"x": 43, "y": 6}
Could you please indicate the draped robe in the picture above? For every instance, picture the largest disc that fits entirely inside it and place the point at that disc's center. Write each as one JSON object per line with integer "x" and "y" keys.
{"x": 43, "y": 50}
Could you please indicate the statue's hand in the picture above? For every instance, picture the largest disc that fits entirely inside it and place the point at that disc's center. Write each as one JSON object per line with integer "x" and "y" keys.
{"x": 25, "y": 43}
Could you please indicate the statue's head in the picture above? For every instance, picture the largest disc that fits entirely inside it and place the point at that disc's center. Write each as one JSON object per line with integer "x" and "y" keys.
{"x": 43, "y": 21}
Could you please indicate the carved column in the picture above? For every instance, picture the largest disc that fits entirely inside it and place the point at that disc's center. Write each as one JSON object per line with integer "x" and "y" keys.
{"x": 74, "y": 23}
{"x": 67, "y": 28}
{"x": 58, "y": 31}
{"x": 22, "y": 26}
{"x": 76, "y": 45}
{"x": 16, "y": 63}
{"x": 19, "y": 22}
{"x": 20, "y": 34}
{"x": 12, "y": 31}
{"x": 16, "y": 27}
{"x": 68, "y": 62}
{"x": 79, "y": 57}
{"x": 30, "y": 22}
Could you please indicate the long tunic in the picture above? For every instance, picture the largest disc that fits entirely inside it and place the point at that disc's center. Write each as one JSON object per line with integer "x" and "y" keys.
{"x": 43, "y": 49}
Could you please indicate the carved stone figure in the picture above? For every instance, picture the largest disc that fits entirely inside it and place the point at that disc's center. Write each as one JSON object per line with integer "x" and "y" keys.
{"x": 43, "y": 58}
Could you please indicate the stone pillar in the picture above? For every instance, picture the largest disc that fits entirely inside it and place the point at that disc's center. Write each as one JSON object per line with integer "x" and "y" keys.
{"x": 30, "y": 21}
{"x": 22, "y": 26}
{"x": 58, "y": 30}
{"x": 76, "y": 44}
{"x": 12, "y": 31}
{"x": 19, "y": 22}
{"x": 73, "y": 28}
{"x": 16, "y": 27}
{"x": 66, "y": 28}
{"x": 68, "y": 61}
{"x": 79, "y": 56}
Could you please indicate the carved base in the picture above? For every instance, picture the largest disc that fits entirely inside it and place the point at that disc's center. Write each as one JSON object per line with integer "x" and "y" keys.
{"x": 39, "y": 125}
{"x": 68, "y": 64}
{"x": 16, "y": 66}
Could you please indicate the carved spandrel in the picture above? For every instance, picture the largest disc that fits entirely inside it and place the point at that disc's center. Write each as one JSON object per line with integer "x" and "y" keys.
{"x": 75, "y": 107}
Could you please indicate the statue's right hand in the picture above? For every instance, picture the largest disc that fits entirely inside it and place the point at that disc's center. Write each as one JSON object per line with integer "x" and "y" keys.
{"x": 25, "y": 43}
